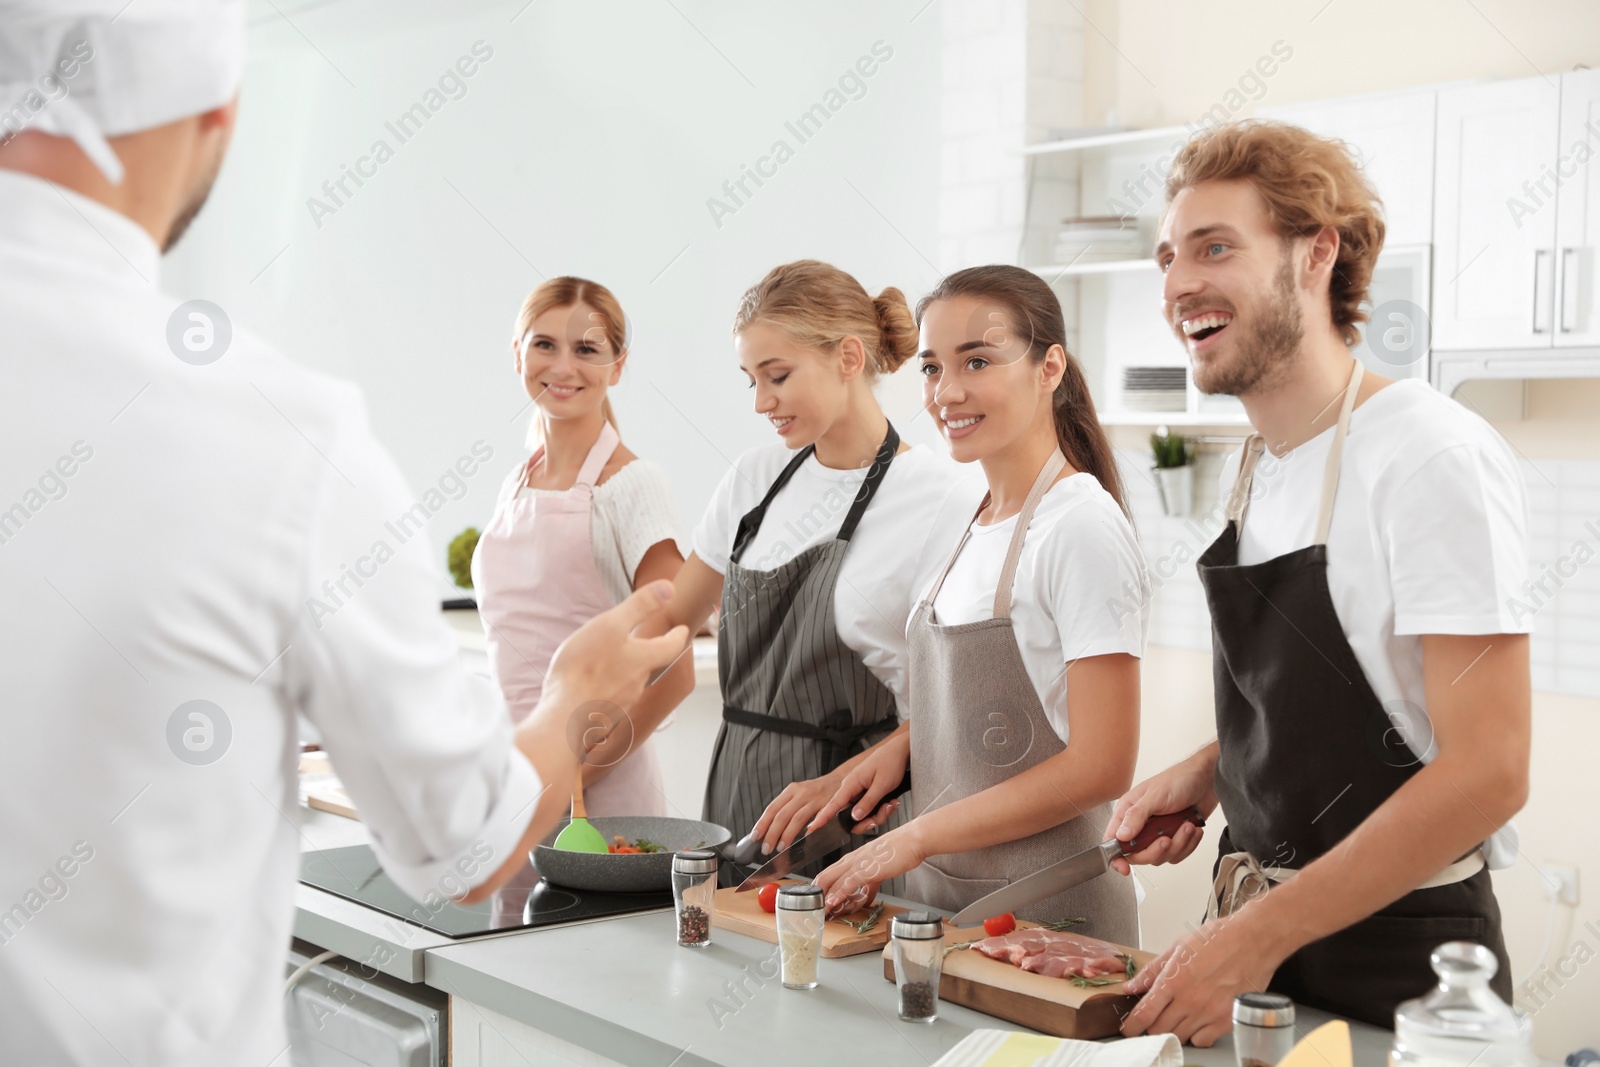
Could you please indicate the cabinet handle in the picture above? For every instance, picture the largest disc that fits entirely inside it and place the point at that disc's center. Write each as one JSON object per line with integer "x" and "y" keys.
{"x": 1561, "y": 293}
{"x": 1537, "y": 252}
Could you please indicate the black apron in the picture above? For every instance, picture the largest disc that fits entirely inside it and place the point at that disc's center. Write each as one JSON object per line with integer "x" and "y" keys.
{"x": 1307, "y": 752}
{"x": 797, "y": 701}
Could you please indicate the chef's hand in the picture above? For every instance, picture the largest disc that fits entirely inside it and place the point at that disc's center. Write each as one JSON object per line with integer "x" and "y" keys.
{"x": 853, "y": 882}
{"x": 1186, "y": 785}
{"x": 863, "y": 788}
{"x": 604, "y": 660}
{"x": 1189, "y": 989}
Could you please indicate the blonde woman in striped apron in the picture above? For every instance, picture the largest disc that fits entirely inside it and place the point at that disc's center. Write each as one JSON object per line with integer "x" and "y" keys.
{"x": 812, "y": 547}
{"x": 1025, "y": 646}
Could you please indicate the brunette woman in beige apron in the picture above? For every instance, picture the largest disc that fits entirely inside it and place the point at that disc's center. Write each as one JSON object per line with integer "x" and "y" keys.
{"x": 978, "y": 719}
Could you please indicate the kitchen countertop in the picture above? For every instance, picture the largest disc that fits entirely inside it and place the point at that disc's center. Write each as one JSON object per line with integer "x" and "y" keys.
{"x": 623, "y": 988}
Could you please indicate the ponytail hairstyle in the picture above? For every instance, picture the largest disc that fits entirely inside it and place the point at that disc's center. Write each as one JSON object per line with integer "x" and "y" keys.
{"x": 1036, "y": 314}
{"x": 568, "y": 291}
{"x": 819, "y": 305}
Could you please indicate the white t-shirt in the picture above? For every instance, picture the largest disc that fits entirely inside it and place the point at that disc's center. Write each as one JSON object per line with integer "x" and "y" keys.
{"x": 1081, "y": 587}
{"x": 1429, "y": 536}
{"x": 922, "y": 503}
{"x": 631, "y": 512}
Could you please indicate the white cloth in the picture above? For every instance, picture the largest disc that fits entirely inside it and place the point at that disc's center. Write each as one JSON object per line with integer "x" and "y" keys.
{"x": 916, "y": 516}
{"x": 1429, "y": 536}
{"x": 166, "y": 531}
{"x": 1081, "y": 587}
{"x": 632, "y": 512}
{"x": 92, "y": 69}
{"x": 1009, "y": 1048}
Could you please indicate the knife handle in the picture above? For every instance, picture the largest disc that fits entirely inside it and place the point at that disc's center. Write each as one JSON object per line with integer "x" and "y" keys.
{"x": 1159, "y": 826}
{"x": 847, "y": 821}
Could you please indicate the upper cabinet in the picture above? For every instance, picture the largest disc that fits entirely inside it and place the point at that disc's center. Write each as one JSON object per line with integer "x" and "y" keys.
{"x": 1577, "y": 289}
{"x": 1515, "y": 233}
{"x": 1391, "y": 135}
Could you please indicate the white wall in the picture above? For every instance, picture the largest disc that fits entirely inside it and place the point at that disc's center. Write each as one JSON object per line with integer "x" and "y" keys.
{"x": 588, "y": 143}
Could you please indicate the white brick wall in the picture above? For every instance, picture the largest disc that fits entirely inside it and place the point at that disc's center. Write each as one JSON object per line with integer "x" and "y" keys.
{"x": 1012, "y": 73}
{"x": 1564, "y": 565}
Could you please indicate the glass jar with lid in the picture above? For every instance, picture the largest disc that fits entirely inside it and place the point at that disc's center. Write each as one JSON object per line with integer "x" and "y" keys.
{"x": 800, "y": 918}
{"x": 1462, "y": 1021}
{"x": 694, "y": 888}
{"x": 918, "y": 960}
{"x": 1263, "y": 1028}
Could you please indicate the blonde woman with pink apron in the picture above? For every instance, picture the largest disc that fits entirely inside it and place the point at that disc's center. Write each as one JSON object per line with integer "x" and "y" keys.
{"x": 1025, "y": 647}
{"x": 566, "y": 544}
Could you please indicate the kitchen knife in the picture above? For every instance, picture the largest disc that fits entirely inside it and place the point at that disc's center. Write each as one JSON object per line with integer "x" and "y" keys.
{"x": 824, "y": 839}
{"x": 1074, "y": 870}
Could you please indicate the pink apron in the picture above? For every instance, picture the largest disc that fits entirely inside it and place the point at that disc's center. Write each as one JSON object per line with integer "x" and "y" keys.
{"x": 536, "y": 582}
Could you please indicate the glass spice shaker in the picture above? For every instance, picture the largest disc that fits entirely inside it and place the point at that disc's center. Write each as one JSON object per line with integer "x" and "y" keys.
{"x": 800, "y": 918}
{"x": 1263, "y": 1028}
{"x": 694, "y": 887}
{"x": 918, "y": 960}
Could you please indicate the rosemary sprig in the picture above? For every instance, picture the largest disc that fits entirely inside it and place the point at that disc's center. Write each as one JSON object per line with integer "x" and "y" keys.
{"x": 1063, "y": 924}
{"x": 865, "y": 923}
{"x": 1090, "y": 983}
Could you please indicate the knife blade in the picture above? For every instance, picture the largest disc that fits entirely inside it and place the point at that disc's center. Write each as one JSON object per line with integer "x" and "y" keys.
{"x": 826, "y": 838}
{"x": 1074, "y": 870}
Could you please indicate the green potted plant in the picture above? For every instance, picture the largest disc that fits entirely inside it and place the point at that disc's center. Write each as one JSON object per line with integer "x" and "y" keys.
{"x": 1174, "y": 468}
{"x": 458, "y": 557}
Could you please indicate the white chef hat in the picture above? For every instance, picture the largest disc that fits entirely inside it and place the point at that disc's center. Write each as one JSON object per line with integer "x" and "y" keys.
{"x": 92, "y": 69}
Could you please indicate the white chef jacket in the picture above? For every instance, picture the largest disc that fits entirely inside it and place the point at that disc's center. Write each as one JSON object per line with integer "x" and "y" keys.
{"x": 164, "y": 528}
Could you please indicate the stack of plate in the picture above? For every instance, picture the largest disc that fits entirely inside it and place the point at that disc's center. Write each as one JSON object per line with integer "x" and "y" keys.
{"x": 1155, "y": 388}
{"x": 1099, "y": 239}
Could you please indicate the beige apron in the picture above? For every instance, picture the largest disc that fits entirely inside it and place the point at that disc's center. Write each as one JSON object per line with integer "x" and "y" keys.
{"x": 976, "y": 722}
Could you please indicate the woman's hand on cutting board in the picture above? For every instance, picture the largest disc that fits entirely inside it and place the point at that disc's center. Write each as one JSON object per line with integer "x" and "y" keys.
{"x": 853, "y": 882}
{"x": 1189, "y": 989}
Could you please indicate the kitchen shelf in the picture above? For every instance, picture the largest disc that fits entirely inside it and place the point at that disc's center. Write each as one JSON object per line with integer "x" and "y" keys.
{"x": 1109, "y": 266}
{"x": 1172, "y": 418}
{"x": 1107, "y": 140}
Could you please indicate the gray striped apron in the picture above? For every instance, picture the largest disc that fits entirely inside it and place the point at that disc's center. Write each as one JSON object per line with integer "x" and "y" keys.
{"x": 797, "y": 701}
{"x": 979, "y": 722}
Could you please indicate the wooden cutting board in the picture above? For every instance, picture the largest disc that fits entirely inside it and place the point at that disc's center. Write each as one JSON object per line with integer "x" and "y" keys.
{"x": 742, "y": 914}
{"x": 1050, "y": 1005}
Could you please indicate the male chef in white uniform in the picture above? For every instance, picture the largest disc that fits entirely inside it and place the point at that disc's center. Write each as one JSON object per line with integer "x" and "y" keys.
{"x": 165, "y": 526}
{"x": 1372, "y": 684}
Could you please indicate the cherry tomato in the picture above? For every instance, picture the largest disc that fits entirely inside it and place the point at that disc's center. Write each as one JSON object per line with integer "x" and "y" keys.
{"x": 1000, "y": 924}
{"x": 769, "y": 898}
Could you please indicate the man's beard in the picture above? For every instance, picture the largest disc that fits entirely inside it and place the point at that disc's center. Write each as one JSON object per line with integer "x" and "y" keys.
{"x": 1264, "y": 354}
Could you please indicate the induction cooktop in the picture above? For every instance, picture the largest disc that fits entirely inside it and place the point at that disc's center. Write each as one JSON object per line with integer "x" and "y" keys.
{"x": 526, "y": 902}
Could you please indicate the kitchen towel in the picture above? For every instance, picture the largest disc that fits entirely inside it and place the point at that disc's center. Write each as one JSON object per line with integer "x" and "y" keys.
{"x": 1008, "y": 1048}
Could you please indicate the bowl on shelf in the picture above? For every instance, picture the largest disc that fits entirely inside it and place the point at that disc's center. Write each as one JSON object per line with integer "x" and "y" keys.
{"x": 626, "y": 873}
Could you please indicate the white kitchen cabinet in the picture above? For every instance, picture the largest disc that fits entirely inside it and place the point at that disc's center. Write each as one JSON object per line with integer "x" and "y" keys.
{"x": 1494, "y": 262}
{"x": 480, "y": 1037}
{"x": 1392, "y": 136}
{"x": 1577, "y": 247}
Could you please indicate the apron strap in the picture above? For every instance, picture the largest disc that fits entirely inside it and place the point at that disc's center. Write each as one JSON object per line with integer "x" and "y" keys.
{"x": 1002, "y": 594}
{"x": 839, "y": 730}
{"x": 604, "y": 446}
{"x": 869, "y": 486}
{"x": 1239, "y": 498}
{"x": 1008, "y": 573}
{"x": 750, "y": 524}
{"x": 1330, "y": 475}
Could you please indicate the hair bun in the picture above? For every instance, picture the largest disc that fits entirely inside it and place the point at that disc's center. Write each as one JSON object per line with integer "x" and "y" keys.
{"x": 897, "y": 330}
